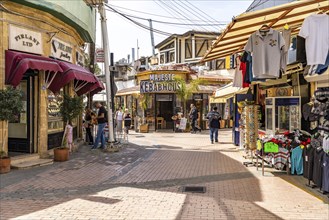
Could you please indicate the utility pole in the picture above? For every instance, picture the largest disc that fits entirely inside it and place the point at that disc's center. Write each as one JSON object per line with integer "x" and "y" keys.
{"x": 137, "y": 50}
{"x": 152, "y": 37}
{"x": 102, "y": 13}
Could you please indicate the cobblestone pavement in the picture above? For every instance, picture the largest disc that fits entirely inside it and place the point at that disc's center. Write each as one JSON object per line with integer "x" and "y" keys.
{"x": 145, "y": 181}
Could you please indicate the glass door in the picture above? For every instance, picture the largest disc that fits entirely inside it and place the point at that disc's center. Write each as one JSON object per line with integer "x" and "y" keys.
{"x": 21, "y": 129}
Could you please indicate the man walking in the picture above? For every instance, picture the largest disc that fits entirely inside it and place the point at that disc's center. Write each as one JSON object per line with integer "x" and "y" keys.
{"x": 101, "y": 119}
{"x": 213, "y": 121}
{"x": 194, "y": 117}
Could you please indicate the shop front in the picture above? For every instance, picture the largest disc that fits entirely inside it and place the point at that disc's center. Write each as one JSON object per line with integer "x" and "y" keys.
{"x": 289, "y": 103}
{"x": 158, "y": 101}
{"x": 43, "y": 67}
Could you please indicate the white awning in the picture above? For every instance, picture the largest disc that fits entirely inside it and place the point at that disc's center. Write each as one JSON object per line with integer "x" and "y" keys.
{"x": 229, "y": 91}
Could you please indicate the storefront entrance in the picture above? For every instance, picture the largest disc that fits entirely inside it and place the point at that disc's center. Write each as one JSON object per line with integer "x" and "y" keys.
{"x": 22, "y": 133}
{"x": 165, "y": 108}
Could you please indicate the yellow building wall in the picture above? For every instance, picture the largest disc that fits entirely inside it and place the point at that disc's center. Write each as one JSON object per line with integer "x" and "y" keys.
{"x": 48, "y": 26}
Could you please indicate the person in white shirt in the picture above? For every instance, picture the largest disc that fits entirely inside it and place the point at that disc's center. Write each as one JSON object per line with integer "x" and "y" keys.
{"x": 119, "y": 119}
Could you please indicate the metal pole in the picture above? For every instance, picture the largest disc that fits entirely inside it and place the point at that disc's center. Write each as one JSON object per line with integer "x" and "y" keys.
{"x": 107, "y": 72}
{"x": 152, "y": 37}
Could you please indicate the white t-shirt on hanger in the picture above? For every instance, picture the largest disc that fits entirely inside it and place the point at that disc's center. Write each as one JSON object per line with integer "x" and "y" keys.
{"x": 315, "y": 30}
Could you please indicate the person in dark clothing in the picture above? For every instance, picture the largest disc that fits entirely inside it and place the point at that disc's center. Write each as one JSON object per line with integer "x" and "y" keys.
{"x": 101, "y": 120}
{"x": 88, "y": 125}
{"x": 127, "y": 122}
{"x": 213, "y": 121}
{"x": 194, "y": 117}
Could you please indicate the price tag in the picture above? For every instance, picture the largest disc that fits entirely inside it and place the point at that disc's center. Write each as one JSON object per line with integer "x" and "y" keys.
{"x": 306, "y": 158}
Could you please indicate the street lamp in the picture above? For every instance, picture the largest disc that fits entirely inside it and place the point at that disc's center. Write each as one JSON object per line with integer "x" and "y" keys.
{"x": 101, "y": 10}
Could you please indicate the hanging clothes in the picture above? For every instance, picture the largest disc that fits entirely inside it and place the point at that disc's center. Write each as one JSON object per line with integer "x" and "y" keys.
{"x": 266, "y": 49}
{"x": 308, "y": 163}
{"x": 325, "y": 172}
{"x": 297, "y": 161}
{"x": 315, "y": 30}
{"x": 243, "y": 68}
{"x": 246, "y": 57}
{"x": 237, "y": 80}
{"x": 317, "y": 168}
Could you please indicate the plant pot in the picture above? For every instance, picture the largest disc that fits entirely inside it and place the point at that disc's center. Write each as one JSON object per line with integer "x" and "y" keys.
{"x": 61, "y": 154}
{"x": 144, "y": 128}
{"x": 5, "y": 165}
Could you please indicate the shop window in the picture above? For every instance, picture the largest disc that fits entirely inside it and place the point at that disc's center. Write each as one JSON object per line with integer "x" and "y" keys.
{"x": 55, "y": 121}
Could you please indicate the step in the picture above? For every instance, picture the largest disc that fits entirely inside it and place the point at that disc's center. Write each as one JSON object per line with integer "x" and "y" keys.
{"x": 24, "y": 158}
{"x": 31, "y": 163}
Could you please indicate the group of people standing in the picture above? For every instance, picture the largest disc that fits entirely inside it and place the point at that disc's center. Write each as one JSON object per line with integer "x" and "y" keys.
{"x": 100, "y": 119}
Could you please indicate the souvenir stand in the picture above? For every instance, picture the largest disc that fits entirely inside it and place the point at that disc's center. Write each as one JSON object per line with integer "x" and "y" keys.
{"x": 249, "y": 122}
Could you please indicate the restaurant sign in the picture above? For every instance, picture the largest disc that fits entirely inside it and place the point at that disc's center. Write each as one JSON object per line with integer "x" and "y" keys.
{"x": 159, "y": 83}
{"x": 61, "y": 50}
{"x": 22, "y": 39}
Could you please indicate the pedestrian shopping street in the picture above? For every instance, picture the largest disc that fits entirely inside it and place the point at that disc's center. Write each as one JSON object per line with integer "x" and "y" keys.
{"x": 144, "y": 180}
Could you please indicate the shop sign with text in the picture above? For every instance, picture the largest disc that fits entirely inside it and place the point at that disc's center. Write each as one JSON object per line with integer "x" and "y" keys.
{"x": 159, "y": 83}
{"x": 61, "y": 50}
{"x": 22, "y": 39}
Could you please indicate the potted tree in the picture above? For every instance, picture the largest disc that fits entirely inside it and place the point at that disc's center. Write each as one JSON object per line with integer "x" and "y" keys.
{"x": 70, "y": 108}
{"x": 143, "y": 103}
{"x": 10, "y": 105}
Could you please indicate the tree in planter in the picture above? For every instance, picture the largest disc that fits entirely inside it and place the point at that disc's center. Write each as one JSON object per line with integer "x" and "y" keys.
{"x": 70, "y": 108}
{"x": 186, "y": 90}
{"x": 144, "y": 100}
{"x": 10, "y": 106}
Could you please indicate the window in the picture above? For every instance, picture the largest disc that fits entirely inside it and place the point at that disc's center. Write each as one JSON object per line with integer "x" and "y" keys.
{"x": 201, "y": 46}
{"x": 188, "y": 48}
{"x": 162, "y": 58}
{"x": 220, "y": 64}
{"x": 172, "y": 56}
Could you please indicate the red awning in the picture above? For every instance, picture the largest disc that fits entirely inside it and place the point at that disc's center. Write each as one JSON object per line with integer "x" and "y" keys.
{"x": 81, "y": 77}
{"x": 99, "y": 86}
{"x": 91, "y": 87}
{"x": 18, "y": 63}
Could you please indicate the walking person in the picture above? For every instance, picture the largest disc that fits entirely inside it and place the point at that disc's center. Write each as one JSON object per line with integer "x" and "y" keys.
{"x": 119, "y": 119}
{"x": 101, "y": 120}
{"x": 88, "y": 126}
{"x": 127, "y": 125}
{"x": 213, "y": 122}
{"x": 194, "y": 117}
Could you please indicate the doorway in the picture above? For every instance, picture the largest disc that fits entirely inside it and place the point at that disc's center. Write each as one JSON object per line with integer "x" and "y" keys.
{"x": 22, "y": 130}
{"x": 164, "y": 106}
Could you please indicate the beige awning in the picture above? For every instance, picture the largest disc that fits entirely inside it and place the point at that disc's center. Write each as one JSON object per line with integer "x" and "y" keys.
{"x": 213, "y": 100}
{"x": 229, "y": 91}
{"x": 128, "y": 91}
{"x": 236, "y": 34}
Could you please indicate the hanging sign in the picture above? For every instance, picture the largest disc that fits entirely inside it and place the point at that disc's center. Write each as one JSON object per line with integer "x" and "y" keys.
{"x": 61, "y": 50}
{"x": 25, "y": 40}
{"x": 159, "y": 83}
{"x": 100, "y": 55}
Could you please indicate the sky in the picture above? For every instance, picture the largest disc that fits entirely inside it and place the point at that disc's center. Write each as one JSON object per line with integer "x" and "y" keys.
{"x": 124, "y": 34}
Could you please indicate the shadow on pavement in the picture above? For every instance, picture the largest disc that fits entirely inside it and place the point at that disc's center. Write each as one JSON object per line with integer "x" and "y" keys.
{"x": 137, "y": 182}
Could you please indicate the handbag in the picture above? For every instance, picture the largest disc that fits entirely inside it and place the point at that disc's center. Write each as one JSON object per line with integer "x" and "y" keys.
{"x": 271, "y": 147}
